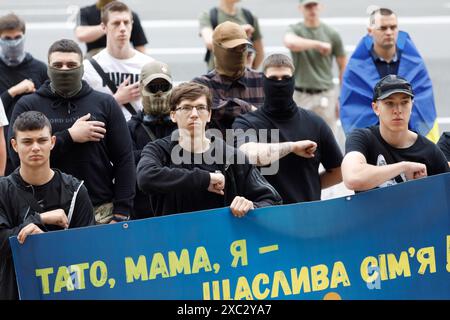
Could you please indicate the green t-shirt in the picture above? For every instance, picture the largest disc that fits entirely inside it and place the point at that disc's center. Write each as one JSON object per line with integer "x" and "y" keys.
{"x": 312, "y": 70}
{"x": 239, "y": 18}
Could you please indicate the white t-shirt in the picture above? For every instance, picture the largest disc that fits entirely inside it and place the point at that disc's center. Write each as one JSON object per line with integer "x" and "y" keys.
{"x": 3, "y": 118}
{"x": 117, "y": 70}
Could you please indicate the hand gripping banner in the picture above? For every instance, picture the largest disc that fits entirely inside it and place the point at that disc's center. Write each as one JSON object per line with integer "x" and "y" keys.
{"x": 390, "y": 243}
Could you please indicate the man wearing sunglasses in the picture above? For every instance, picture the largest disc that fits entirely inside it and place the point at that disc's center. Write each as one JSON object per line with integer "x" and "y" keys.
{"x": 304, "y": 139}
{"x": 21, "y": 74}
{"x": 192, "y": 171}
{"x": 152, "y": 122}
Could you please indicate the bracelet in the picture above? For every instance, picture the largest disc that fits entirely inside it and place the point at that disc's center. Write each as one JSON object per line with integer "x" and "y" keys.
{"x": 120, "y": 219}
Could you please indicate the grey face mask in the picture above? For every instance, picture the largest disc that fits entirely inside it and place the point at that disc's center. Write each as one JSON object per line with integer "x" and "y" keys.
{"x": 12, "y": 51}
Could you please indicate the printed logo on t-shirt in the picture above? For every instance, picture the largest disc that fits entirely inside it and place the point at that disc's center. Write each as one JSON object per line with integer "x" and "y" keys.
{"x": 381, "y": 161}
{"x": 118, "y": 77}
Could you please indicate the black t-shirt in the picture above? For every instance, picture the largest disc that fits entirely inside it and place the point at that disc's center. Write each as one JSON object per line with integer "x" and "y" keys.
{"x": 90, "y": 16}
{"x": 444, "y": 144}
{"x": 298, "y": 178}
{"x": 48, "y": 197}
{"x": 378, "y": 152}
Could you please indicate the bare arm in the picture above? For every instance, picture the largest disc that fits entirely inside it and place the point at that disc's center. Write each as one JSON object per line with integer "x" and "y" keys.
{"x": 263, "y": 154}
{"x": 141, "y": 49}
{"x": 358, "y": 175}
{"x": 342, "y": 63}
{"x": 331, "y": 177}
{"x": 206, "y": 34}
{"x": 259, "y": 47}
{"x": 89, "y": 33}
{"x": 298, "y": 44}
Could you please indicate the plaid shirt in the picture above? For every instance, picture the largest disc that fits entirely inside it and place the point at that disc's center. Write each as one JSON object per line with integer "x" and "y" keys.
{"x": 232, "y": 98}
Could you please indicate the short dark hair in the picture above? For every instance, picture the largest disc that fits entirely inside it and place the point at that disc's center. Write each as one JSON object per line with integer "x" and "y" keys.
{"x": 381, "y": 11}
{"x": 30, "y": 121}
{"x": 189, "y": 91}
{"x": 65, "y": 45}
{"x": 11, "y": 22}
{"x": 278, "y": 60}
{"x": 114, "y": 6}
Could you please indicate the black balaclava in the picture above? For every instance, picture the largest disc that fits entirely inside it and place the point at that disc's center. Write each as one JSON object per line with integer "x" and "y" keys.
{"x": 278, "y": 101}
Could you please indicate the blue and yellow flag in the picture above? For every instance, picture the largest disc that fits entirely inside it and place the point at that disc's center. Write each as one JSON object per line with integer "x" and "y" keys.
{"x": 361, "y": 76}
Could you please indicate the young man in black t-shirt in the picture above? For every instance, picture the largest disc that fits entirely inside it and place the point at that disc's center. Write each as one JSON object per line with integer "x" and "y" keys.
{"x": 304, "y": 139}
{"x": 36, "y": 198}
{"x": 444, "y": 145}
{"x": 89, "y": 29}
{"x": 390, "y": 153}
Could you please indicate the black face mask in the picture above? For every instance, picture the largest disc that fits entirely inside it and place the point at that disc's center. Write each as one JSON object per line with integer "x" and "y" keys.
{"x": 278, "y": 101}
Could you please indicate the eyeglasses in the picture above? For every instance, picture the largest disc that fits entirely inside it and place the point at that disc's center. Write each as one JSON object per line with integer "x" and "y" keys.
{"x": 156, "y": 87}
{"x": 187, "y": 109}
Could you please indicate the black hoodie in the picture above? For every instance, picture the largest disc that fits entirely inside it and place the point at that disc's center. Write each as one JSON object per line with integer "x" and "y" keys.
{"x": 107, "y": 166}
{"x": 30, "y": 68}
{"x": 160, "y": 128}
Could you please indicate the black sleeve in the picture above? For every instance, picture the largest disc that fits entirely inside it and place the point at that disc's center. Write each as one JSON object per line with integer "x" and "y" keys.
{"x": 83, "y": 213}
{"x": 19, "y": 108}
{"x": 358, "y": 141}
{"x": 82, "y": 19}
{"x": 153, "y": 176}
{"x": 438, "y": 162}
{"x": 121, "y": 155}
{"x": 138, "y": 37}
{"x": 444, "y": 144}
{"x": 244, "y": 132}
{"x": 136, "y": 152}
{"x": 257, "y": 189}
{"x": 8, "y": 101}
{"x": 7, "y": 229}
{"x": 331, "y": 154}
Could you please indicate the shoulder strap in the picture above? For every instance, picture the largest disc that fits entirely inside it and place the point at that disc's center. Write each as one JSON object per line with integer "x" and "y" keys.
{"x": 213, "y": 18}
{"x": 149, "y": 132}
{"x": 26, "y": 196}
{"x": 109, "y": 83}
{"x": 249, "y": 17}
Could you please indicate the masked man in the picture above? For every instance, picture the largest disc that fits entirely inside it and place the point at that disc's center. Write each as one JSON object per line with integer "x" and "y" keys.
{"x": 92, "y": 139}
{"x": 236, "y": 89}
{"x": 305, "y": 140}
{"x": 152, "y": 123}
{"x": 21, "y": 74}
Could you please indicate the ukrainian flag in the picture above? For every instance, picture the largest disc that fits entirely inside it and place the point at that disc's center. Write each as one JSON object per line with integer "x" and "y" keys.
{"x": 361, "y": 76}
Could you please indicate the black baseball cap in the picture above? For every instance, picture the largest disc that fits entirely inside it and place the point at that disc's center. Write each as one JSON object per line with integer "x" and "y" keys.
{"x": 391, "y": 84}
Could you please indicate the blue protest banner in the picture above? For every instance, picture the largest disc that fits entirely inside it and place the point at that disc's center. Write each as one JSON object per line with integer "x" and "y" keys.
{"x": 390, "y": 243}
